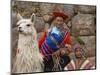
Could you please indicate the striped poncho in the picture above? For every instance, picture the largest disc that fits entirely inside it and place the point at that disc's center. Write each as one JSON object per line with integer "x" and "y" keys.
{"x": 53, "y": 40}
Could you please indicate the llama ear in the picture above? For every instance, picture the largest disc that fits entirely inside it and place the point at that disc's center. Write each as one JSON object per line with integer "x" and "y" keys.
{"x": 33, "y": 17}
{"x": 19, "y": 17}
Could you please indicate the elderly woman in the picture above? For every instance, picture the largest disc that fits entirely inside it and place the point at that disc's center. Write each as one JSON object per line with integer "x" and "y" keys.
{"x": 55, "y": 44}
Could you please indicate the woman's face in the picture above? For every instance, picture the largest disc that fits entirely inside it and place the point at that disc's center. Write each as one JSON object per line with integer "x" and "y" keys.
{"x": 58, "y": 21}
{"x": 78, "y": 53}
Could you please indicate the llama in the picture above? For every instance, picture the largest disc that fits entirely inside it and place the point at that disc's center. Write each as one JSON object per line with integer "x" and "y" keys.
{"x": 28, "y": 57}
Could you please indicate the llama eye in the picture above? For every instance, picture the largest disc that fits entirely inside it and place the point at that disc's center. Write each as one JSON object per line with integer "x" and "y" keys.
{"x": 17, "y": 25}
{"x": 28, "y": 25}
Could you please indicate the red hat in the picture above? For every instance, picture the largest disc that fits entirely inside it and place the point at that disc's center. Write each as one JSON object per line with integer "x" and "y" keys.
{"x": 60, "y": 14}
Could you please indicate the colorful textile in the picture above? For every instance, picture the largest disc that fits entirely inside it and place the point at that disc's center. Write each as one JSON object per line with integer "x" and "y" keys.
{"x": 53, "y": 40}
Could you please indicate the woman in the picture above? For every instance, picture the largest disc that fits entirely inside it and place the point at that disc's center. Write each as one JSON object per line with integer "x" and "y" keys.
{"x": 56, "y": 43}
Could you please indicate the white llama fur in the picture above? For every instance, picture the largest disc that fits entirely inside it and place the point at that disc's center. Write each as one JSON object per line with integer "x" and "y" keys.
{"x": 28, "y": 59}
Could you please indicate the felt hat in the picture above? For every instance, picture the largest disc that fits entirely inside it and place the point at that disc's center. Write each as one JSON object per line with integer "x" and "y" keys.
{"x": 60, "y": 14}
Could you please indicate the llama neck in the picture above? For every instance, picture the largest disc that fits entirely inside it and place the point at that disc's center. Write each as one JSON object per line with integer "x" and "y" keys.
{"x": 28, "y": 47}
{"x": 27, "y": 40}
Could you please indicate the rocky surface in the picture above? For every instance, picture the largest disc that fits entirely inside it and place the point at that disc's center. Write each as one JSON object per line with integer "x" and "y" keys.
{"x": 84, "y": 23}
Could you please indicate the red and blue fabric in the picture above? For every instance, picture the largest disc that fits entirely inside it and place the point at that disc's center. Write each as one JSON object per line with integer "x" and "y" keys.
{"x": 52, "y": 41}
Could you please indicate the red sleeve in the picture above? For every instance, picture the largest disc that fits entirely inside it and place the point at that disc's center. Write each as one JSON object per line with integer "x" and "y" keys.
{"x": 42, "y": 39}
{"x": 68, "y": 40}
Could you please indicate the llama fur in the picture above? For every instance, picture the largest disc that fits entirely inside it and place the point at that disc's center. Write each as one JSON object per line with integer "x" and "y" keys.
{"x": 28, "y": 57}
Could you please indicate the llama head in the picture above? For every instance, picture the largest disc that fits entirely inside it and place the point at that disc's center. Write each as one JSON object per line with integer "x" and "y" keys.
{"x": 26, "y": 26}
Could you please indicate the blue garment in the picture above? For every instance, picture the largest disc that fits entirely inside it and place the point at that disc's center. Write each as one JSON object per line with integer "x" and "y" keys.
{"x": 57, "y": 35}
{"x": 53, "y": 41}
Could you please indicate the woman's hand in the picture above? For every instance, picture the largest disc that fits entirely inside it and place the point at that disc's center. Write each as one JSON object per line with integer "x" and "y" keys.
{"x": 57, "y": 53}
{"x": 64, "y": 51}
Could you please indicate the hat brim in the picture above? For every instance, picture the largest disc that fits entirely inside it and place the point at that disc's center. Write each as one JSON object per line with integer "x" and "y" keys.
{"x": 60, "y": 14}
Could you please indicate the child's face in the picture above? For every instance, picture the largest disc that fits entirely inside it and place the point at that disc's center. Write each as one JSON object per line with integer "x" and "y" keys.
{"x": 78, "y": 53}
{"x": 58, "y": 21}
